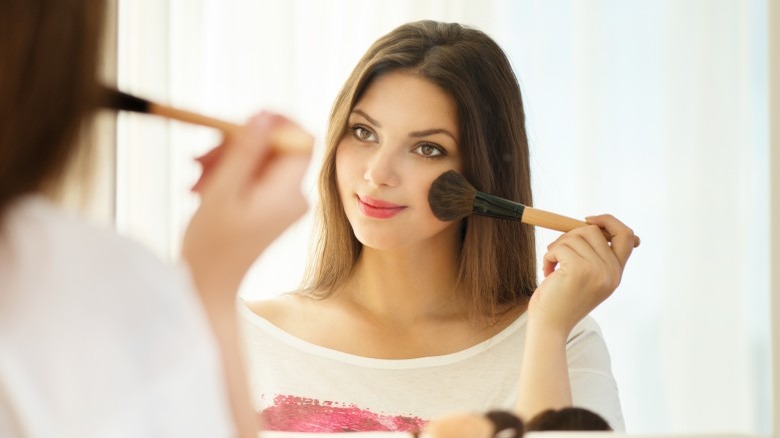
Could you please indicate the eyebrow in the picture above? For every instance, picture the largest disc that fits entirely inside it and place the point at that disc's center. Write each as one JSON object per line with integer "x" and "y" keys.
{"x": 416, "y": 134}
{"x": 428, "y": 132}
{"x": 367, "y": 117}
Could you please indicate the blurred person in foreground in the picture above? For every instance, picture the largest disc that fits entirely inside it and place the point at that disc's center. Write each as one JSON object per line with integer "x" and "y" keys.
{"x": 98, "y": 337}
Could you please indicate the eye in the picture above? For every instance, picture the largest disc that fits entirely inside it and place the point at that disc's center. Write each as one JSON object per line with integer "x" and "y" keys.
{"x": 363, "y": 134}
{"x": 429, "y": 150}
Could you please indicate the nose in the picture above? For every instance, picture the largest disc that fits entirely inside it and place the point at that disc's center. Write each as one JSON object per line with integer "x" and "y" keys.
{"x": 382, "y": 168}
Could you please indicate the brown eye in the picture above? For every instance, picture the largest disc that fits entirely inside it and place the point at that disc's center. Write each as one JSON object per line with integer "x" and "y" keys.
{"x": 363, "y": 134}
{"x": 428, "y": 150}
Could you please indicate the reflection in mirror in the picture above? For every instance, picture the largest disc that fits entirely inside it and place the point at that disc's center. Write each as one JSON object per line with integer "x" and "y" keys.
{"x": 654, "y": 111}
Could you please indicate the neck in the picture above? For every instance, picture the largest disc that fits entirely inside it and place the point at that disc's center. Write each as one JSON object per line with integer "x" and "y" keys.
{"x": 407, "y": 285}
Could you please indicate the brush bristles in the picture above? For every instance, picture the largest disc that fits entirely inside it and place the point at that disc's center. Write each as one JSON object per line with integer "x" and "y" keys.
{"x": 118, "y": 100}
{"x": 451, "y": 196}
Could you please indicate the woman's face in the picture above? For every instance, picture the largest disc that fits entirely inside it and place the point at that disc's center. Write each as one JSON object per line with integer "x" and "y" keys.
{"x": 401, "y": 135}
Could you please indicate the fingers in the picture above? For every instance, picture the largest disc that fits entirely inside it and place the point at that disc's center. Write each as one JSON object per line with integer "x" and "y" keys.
{"x": 242, "y": 154}
{"x": 623, "y": 240}
{"x": 568, "y": 247}
{"x": 252, "y": 150}
{"x": 549, "y": 265}
{"x": 207, "y": 163}
{"x": 582, "y": 246}
{"x": 586, "y": 249}
{"x": 588, "y": 243}
{"x": 617, "y": 227}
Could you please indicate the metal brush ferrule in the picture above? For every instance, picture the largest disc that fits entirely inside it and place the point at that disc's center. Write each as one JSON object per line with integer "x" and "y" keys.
{"x": 494, "y": 206}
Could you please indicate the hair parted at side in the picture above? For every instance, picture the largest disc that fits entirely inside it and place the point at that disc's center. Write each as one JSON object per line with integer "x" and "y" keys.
{"x": 497, "y": 263}
{"x": 49, "y": 52}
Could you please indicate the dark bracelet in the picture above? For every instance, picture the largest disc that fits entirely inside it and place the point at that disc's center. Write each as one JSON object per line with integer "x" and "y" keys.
{"x": 506, "y": 424}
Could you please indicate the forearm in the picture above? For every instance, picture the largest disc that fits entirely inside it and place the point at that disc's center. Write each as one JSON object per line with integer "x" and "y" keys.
{"x": 544, "y": 379}
{"x": 217, "y": 290}
{"x": 249, "y": 196}
{"x": 225, "y": 327}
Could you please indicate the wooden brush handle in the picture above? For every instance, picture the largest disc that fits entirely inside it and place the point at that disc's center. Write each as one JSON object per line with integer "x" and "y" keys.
{"x": 285, "y": 138}
{"x": 553, "y": 221}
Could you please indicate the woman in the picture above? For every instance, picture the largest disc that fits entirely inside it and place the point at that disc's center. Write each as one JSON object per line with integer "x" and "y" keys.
{"x": 404, "y": 317}
{"x": 98, "y": 337}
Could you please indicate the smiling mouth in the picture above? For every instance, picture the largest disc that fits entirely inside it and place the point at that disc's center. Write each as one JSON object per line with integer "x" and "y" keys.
{"x": 378, "y": 209}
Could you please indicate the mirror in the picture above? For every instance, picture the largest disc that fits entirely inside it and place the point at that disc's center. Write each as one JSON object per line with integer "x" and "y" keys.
{"x": 654, "y": 111}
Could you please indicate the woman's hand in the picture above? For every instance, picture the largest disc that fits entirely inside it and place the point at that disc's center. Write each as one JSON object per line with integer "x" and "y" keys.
{"x": 582, "y": 268}
{"x": 250, "y": 193}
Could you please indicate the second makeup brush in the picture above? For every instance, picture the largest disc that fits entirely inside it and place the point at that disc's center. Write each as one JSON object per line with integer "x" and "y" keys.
{"x": 285, "y": 138}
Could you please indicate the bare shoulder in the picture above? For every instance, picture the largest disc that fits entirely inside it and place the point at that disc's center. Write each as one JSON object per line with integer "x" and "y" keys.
{"x": 286, "y": 311}
{"x": 276, "y": 308}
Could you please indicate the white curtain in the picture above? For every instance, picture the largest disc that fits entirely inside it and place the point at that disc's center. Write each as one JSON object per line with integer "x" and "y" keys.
{"x": 655, "y": 111}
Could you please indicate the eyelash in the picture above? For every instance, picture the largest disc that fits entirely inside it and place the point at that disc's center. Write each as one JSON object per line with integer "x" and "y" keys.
{"x": 442, "y": 152}
{"x": 357, "y": 128}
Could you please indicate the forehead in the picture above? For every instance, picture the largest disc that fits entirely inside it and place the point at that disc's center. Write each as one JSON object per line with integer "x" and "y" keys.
{"x": 405, "y": 99}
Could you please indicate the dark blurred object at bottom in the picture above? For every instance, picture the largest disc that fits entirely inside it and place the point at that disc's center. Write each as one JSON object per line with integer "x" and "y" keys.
{"x": 567, "y": 419}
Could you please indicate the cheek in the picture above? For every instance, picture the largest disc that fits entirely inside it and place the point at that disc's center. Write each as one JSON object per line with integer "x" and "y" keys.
{"x": 347, "y": 159}
{"x": 422, "y": 197}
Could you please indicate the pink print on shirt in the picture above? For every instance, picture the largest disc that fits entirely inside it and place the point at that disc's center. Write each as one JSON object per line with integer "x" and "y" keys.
{"x": 299, "y": 414}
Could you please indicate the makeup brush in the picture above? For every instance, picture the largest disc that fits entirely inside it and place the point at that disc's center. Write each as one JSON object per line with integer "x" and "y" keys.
{"x": 452, "y": 197}
{"x": 285, "y": 138}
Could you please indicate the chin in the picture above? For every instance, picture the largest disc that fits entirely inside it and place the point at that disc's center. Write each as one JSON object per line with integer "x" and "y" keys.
{"x": 379, "y": 243}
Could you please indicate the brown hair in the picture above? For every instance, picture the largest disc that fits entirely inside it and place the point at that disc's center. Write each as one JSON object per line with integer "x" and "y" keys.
{"x": 48, "y": 87}
{"x": 497, "y": 262}
{"x": 572, "y": 418}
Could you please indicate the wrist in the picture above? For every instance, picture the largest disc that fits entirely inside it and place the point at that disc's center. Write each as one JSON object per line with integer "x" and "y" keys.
{"x": 549, "y": 332}
{"x": 217, "y": 286}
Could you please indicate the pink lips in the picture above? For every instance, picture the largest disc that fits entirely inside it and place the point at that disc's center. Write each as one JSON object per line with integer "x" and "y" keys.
{"x": 378, "y": 209}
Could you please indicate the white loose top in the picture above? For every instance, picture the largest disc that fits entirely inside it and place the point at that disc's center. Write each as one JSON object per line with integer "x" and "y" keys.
{"x": 298, "y": 386}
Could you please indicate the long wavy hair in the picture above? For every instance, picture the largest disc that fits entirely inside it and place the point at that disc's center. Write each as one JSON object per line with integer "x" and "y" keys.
{"x": 497, "y": 260}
